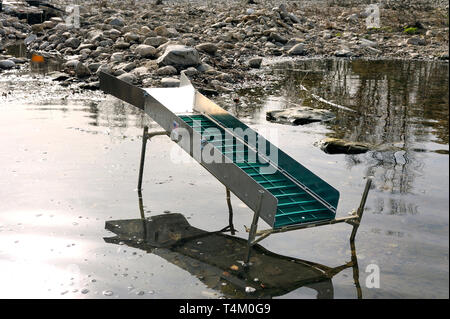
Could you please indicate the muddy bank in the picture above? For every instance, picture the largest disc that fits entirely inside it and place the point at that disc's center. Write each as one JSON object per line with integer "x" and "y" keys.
{"x": 217, "y": 45}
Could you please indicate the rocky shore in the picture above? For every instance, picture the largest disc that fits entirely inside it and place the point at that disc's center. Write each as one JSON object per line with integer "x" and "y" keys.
{"x": 217, "y": 43}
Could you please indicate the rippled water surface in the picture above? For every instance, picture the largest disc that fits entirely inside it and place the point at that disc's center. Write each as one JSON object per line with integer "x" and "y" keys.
{"x": 70, "y": 161}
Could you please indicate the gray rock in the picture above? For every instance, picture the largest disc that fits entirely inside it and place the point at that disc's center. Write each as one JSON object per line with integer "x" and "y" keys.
{"x": 127, "y": 67}
{"x": 7, "y": 64}
{"x": 104, "y": 68}
{"x": 113, "y": 33}
{"x": 190, "y": 71}
{"x": 118, "y": 22}
{"x": 179, "y": 56}
{"x": 93, "y": 34}
{"x": 93, "y": 67}
{"x": 62, "y": 26}
{"x": 71, "y": 64}
{"x": 294, "y": 18}
{"x": 29, "y": 39}
{"x": 155, "y": 41}
{"x": 128, "y": 77}
{"x": 344, "y": 53}
{"x": 339, "y": 146}
{"x": 72, "y": 42}
{"x": 368, "y": 43}
{"x": 48, "y": 24}
{"x": 299, "y": 115}
{"x": 145, "y": 51}
{"x": 277, "y": 38}
{"x": 167, "y": 70}
{"x": 207, "y": 47}
{"x": 145, "y": 30}
{"x": 140, "y": 71}
{"x": 117, "y": 57}
{"x": 204, "y": 67}
{"x": 120, "y": 44}
{"x": 130, "y": 36}
{"x": 172, "y": 33}
{"x": 416, "y": 41}
{"x": 224, "y": 77}
{"x": 170, "y": 82}
{"x": 162, "y": 31}
{"x": 82, "y": 71}
{"x": 298, "y": 49}
{"x": 255, "y": 62}
{"x": 119, "y": 72}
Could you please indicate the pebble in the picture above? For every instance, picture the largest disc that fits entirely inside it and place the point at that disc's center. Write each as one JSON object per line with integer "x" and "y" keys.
{"x": 108, "y": 293}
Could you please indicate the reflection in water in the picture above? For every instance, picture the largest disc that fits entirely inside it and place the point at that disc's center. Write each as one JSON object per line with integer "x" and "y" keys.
{"x": 398, "y": 107}
{"x": 217, "y": 259}
{"x": 49, "y": 64}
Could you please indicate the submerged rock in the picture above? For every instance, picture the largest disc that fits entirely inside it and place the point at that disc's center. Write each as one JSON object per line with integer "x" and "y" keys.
{"x": 339, "y": 146}
{"x": 299, "y": 115}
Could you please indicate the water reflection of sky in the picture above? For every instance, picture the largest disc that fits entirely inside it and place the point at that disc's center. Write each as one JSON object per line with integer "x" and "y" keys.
{"x": 72, "y": 157}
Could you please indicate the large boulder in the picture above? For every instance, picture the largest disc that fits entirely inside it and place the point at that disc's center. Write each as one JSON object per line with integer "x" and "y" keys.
{"x": 179, "y": 56}
{"x": 299, "y": 115}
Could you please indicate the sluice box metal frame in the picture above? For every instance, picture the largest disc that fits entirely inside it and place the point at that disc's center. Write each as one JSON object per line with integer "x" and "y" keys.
{"x": 289, "y": 198}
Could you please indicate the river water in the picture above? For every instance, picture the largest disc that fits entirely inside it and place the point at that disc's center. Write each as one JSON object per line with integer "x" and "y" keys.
{"x": 70, "y": 162}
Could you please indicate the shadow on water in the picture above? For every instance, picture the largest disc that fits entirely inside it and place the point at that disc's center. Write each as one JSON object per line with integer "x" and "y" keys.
{"x": 171, "y": 237}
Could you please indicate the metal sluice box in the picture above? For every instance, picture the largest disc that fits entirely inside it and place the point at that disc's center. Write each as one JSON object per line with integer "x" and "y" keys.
{"x": 281, "y": 190}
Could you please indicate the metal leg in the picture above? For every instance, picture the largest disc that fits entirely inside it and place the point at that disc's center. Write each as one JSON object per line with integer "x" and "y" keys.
{"x": 361, "y": 209}
{"x": 355, "y": 270}
{"x": 141, "y": 204}
{"x": 141, "y": 165}
{"x": 230, "y": 213}
{"x": 253, "y": 227}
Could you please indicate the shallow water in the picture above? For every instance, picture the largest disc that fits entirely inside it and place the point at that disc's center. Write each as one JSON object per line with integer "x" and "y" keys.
{"x": 70, "y": 162}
